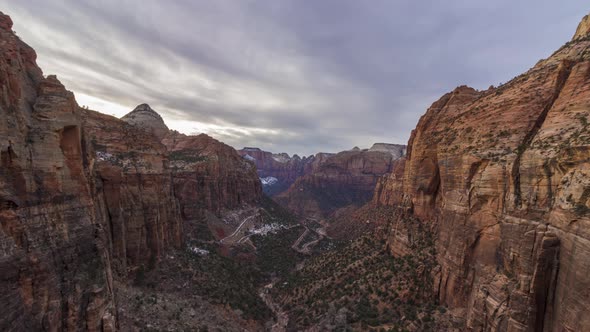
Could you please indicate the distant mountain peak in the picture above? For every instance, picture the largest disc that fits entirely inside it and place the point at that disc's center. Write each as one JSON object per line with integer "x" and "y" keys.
{"x": 145, "y": 117}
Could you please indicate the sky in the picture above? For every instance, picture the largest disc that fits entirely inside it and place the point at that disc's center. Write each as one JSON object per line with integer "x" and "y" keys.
{"x": 295, "y": 76}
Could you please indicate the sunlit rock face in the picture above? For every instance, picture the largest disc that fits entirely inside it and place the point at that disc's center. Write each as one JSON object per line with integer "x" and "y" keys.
{"x": 583, "y": 29}
{"x": 503, "y": 177}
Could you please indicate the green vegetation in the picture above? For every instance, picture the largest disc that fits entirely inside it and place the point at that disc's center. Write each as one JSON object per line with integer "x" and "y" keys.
{"x": 276, "y": 213}
{"x": 186, "y": 156}
{"x": 274, "y": 255}
{"x": 364, "y": 280}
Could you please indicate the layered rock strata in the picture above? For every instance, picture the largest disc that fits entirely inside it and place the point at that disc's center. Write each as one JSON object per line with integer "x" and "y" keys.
{"x": 54, "y": 262}
{"x": 210, "y": 175}
{"x": 347, "y": 178}
{"x": 281, "y": 166}
{"x": 134, "y": 192}
{"x": 503, "y": 177}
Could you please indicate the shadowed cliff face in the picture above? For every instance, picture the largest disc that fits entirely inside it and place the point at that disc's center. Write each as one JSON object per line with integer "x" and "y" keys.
{"x": 503, "y": 177}
{"x": 210, "y": 175}
{"x": 133, "y": 191}
{"x": 280, "y": 166}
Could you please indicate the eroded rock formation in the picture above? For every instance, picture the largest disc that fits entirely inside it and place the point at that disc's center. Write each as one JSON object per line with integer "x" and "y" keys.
{"x": 210, "y": 175}
{"x": 281, "y": 166}
{"x": 347, "y": 178}
{"x": 502, "y": 176}
{"x": 144, "y": 117}
{"x": 134, "y": 191}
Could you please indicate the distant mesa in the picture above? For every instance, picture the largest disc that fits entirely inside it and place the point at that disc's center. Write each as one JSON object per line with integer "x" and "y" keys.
{"x": 397, "y": 150}
{"x": 250, "y": 149}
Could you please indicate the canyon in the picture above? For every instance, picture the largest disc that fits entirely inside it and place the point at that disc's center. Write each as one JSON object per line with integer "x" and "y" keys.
{"x": 480, "y": 224}
{"x": 88, "y": 201}
{"x": 319, "y": 185}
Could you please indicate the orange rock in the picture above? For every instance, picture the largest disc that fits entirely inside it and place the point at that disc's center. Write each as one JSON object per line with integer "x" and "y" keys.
{"x": 502, "y": 175}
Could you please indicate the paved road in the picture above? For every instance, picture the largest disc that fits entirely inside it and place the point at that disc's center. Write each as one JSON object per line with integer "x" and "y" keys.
{"x": 239, "y": 228}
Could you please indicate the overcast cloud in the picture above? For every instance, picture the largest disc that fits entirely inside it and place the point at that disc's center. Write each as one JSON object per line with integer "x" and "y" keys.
{"x": 287, "y": 75}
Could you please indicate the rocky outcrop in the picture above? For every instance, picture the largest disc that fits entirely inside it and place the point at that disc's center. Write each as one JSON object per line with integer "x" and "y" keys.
{"x": 347, "y": 178}
{"x": 54, "y": 265}
{"x": 133, "y": 191}
{"x": 144, "y": 117}
{"x": 280, "y": 166}
{"x": 502, "y": 177}
{"x": 583, "y": 29}
{"x": 210, "y": 175}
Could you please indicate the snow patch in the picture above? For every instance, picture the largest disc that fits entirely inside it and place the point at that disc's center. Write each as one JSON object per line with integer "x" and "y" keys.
{"x": 269, "y": 181}
{"x": 269, "y": 228}
{"x": 249, "y": 157}
{"x": 281, "y": 158}
{"x": 103, "y": 156}
{"x": 199, "y": 251}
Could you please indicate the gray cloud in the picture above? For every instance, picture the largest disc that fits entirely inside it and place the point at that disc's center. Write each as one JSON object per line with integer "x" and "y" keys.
{"x": 288, "y": 75}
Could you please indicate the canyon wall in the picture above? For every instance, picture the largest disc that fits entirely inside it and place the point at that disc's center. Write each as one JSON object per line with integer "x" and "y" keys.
{"x": 502, "y": 177}
{"x": 133, "y": 191}
{"x": 345, "y": 179}
{"x": 281, "y": 166}
{"x": 210, "y": 175}
{"x": 86, "y": 198}
{"x": 286, "y": 169}
{"x": 54, "y": 262}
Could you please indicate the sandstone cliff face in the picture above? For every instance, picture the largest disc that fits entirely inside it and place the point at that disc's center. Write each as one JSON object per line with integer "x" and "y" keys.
{"x": 502, "y": 176}
{"x": 343, "y": 179}
{"x": 583, "y": 28}
{"x": 133, "y": 190}
{"x": 55, "y": 269}
{"x": 281, "y": 166}
{"x": 397, "y": 150}
{"x": 144, "y": 117}
{"x": 210, "y": 175}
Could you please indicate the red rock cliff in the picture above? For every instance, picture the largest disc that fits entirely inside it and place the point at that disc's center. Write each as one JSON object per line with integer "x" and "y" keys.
{"x": 281, "y": 166}
{"x": 54, "y": 265}
{"x": 210, "y": 175}
{"x": 85, "y": 197}
{"x": 343, "y": 179}
{"x": 503, "y": 177}
{"x": 133, "y": 190}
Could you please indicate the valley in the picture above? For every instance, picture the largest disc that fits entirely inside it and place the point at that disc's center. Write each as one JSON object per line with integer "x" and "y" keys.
{"x": 480, "y": 223}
